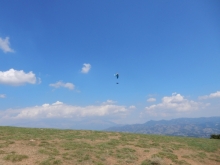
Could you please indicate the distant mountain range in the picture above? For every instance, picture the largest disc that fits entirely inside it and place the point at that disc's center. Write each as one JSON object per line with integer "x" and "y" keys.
{"x": 190, "y": 127}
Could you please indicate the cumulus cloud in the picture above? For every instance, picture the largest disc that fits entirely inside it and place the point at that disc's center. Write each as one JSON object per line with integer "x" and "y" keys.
{"x": 2, "y": 96}
{"x": 5, "y": 45}
{"x": 61, "y": 84}
{"x": 176, "y": 102}
{"x": 151, "y": 100}
{"x": 17, "y": 77}
{"x": 86, "y": 68}
{"x": 61, "y": 110}
{"x": 212, "y": 95}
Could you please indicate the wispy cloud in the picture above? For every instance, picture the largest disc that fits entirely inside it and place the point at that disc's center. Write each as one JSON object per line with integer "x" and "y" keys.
{"x": 61, "y": 110}
{"x": 132, "y": 107}
{"x": 62, "y": 84}
{"x": 17, "y": 77}
{"x": 5, "y": 45}
{"x": 86, "y": 68}
{"x": 212, "y": 95}
{"x": 176, "y": 102}
{"x": 109, "y": 102}
{"x": 151, "y": 100}
{"x": 2, "y": 95}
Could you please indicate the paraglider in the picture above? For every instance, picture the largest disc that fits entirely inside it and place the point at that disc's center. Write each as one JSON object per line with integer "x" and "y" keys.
{"x": 117, "y": 76}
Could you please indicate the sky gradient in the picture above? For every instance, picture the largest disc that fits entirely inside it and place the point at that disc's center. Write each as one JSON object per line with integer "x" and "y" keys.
{"x": 58, "y": 60}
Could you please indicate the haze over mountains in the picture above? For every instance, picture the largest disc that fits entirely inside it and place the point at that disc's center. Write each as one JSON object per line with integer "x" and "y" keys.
{"x": 188, "y": 127}
{"x": 191, "y": 127}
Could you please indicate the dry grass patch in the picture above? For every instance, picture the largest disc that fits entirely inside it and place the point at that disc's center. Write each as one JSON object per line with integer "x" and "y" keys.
{"x": 2, "y": 152}
{"x": 215, "y": 157}
{"x": 5, "y": 144}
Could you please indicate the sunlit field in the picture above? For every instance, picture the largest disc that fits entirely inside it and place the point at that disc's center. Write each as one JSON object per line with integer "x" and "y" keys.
{"x": 52, "y": 146}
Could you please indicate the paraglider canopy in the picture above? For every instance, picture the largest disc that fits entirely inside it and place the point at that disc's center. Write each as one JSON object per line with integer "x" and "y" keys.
{"x": 116, "y": 75}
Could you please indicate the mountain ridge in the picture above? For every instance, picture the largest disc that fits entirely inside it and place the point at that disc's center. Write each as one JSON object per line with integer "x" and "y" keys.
{"x": 189, "y": 127}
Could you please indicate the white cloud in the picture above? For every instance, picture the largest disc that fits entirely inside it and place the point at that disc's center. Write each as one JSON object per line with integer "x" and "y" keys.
{"x": 212, "y": 95}
{"x": 61, "y": 84}
{"x": 86, "y": 68}
{"x": 5, "y": 45}
{"x": 17, "y": 77}
{"x": 2, "y": 95}
{"x": 58, "y": 103}
{"x": 151, "y": 100}
{"x": 61, "y": 110}
{"x": 132, "y": 107}
{"x": 109, "y": 102}
{"x": 176, "y": 102}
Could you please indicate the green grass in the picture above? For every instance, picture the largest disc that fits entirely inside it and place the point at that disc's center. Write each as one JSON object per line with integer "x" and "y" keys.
{"x": 51, "y": 161}
{"x": 168, "y": 155}
{"x": 126, "y": 154}
{"x": 201, "y": 155}
{"x": 74, "y": 145}
{"x": 182, "y": 162}
{"x": 49, "y": 151}
{"x": 95, "y": 147}
{"x": 15, "y": 157}
{"x": 67, "y": 156}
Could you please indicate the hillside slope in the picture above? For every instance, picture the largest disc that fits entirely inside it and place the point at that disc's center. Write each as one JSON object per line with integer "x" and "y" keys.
{"x": 37, "y": 146}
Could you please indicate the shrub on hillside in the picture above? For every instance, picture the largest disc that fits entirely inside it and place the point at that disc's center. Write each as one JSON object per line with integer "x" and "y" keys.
{"x": 213, "y": 136}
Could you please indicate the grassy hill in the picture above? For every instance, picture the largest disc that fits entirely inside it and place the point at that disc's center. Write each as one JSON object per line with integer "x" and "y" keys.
{"x": 23, "y": 146}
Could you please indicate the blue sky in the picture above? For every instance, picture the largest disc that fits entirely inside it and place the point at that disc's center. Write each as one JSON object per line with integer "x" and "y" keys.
{"x": 58, "y": 60}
